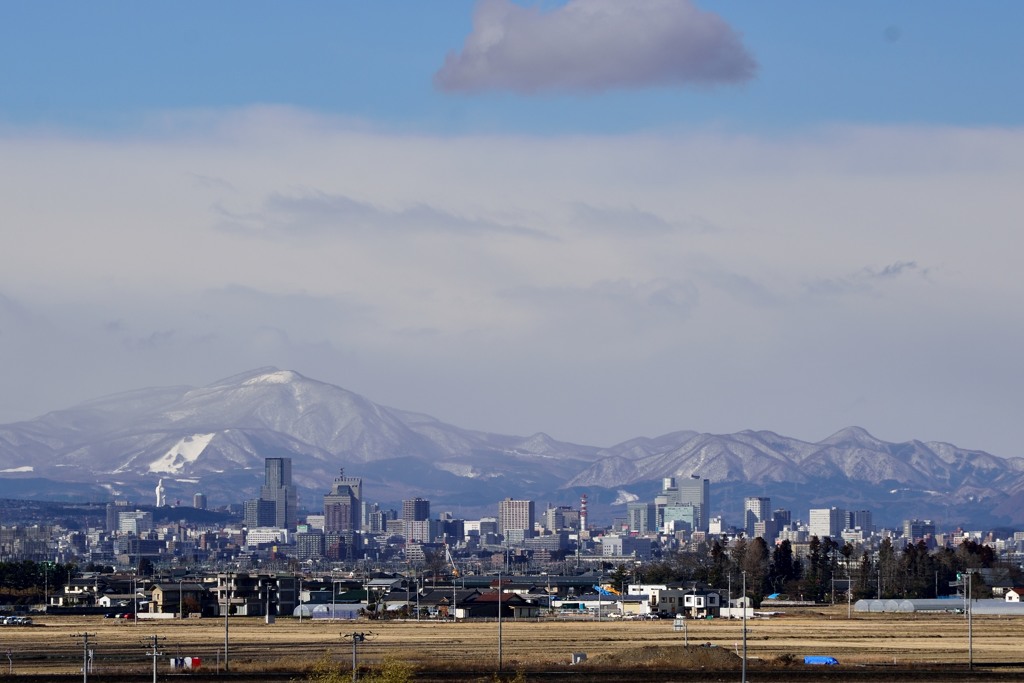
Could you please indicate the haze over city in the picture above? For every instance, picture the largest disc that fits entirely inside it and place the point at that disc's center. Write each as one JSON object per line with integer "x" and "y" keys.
{"x": 523, "y": 217}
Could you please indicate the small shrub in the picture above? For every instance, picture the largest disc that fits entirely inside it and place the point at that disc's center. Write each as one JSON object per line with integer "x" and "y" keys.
{"x": 326, "y": 670}
{"x": 391, "y": 670}
{"x": 785, "y": 659}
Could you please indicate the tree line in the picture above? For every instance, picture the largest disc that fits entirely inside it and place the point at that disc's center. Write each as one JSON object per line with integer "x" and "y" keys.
{"x": 825, "y": 571}
{"x": 28, "y": 581}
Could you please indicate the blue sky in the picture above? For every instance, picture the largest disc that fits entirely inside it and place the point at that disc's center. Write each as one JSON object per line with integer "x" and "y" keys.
{"x": 105, "y": 65}
{"x": 597, "y": 218}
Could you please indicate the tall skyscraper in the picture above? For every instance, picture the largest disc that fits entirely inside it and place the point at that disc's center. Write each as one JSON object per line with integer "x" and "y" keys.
{"x": 692, "y": 491}
{"x": 756, "y": 510}
{"x": 342, "y": 505}
{"x": 278, "y": 488}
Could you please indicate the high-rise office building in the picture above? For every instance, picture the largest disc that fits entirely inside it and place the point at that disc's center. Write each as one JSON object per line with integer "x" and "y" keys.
{"x": 415, "y": 510}
{"x": 860, "y": 519}
{"x": 554, "y": 518}
{"x": 515, "y": 515}
{"x": 641, "y": 517}
{"x": 135, "y": 522}
{"x": 278, "y": 488}
{"x": 199, "y": 501}
{"x": 678, "y": 518}
{"x": 756, "y": 509}
{"x": 692, "y": 491}
{"x": 915, "y": 530}
{"x": 342, "y": 505}
{"x": 826, "y": 522}
{"x": 260, "y": 513}
{"x": 309, "y": 544}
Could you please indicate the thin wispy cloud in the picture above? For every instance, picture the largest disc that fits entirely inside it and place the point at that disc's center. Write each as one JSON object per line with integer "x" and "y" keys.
{"x": 317, "y": 214}
{"x": 867, "y": 279}
{"x": 632, "y": 221}
{"x": 593, "y": 46}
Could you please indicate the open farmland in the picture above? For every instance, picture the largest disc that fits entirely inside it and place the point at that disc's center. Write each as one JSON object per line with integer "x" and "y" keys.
{"x": 869, "y": 647}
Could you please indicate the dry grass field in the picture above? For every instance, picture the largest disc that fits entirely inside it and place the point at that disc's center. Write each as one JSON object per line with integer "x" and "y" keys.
{"x": 51, "y": 646}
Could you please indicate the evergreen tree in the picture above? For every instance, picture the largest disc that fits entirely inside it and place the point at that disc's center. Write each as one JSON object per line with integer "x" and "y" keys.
{"x": 887, "y": 569}
{"x": 755, "y": 564}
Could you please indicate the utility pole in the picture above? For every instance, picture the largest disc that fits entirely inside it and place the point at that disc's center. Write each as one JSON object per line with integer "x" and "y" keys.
{"x": 499, "y": 620}
{"x": 356, "y": 639}
{"x": 970, "y": 620}
{"x": 227, "y": 612}
{"x": 154, "y": 652}
{"x": 86, "y": 654}
{"x": 744, "y": 676}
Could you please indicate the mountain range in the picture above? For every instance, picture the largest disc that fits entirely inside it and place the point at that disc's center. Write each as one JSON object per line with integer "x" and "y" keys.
{"x": 214, "y": 439}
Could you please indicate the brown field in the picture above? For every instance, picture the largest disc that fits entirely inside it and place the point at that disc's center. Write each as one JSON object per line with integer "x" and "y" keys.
{"x": 939, "y": 643}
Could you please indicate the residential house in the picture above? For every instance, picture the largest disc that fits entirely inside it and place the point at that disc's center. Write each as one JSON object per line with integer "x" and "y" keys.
{"x": 168, "y": 598}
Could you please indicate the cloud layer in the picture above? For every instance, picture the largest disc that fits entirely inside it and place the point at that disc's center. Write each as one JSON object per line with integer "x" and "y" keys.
{"x": 595, "y": 45}
{"x": 593, "y": 287}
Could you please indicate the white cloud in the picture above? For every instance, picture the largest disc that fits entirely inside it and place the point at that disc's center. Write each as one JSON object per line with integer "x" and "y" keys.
{"x": 323, "y": 216}
{"x": 565, "y": 284}
{"x": 595, "y": 45}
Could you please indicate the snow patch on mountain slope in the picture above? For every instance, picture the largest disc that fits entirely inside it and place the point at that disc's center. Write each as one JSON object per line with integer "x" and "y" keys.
{"x": 182, "y": 453}
{"x": 279, "y": 377}
{"x": 624, "y": 497}
{"x": 23, "y": 468}
{"x": 464, "y": 470}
